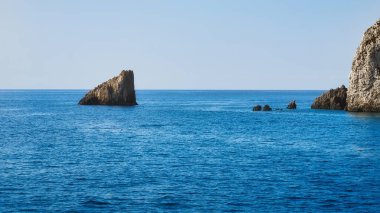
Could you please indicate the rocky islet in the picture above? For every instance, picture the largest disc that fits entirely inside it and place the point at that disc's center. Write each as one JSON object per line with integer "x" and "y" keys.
{"x": 120, "y": 90}
{"x": 334, "y": 99}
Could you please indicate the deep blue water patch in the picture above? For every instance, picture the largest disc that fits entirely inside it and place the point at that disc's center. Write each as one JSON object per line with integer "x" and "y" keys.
{"x": 185, "y": 151}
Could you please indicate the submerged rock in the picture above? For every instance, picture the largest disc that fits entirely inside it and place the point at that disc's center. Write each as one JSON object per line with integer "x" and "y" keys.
{"x": 119, "y": 90}
{"x": 256, "y": 108}
{"x": 364, "y": 90}
{"x": 334, "y": 99}
{"x": 267, "y": 108}
{"x": 292, "y": 105}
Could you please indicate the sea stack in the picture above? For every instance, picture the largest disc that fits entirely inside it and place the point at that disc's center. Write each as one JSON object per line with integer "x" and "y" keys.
{"x": 364, "y": 90}
{"x": 120, "y": 90}
{"x": 333, "y": 99}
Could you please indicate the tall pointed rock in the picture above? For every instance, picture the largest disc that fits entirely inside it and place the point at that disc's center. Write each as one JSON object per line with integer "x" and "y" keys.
{"x": 120, "y": 90}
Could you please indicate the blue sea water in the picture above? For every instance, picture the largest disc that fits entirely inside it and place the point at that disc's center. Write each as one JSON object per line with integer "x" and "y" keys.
{"x": 185, "y": 151}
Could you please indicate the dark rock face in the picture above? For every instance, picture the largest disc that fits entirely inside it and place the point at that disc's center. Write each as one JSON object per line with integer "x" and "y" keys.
{"x": 292, "y": 105}
{"x": 119, "y": 90}
{"x": 267, "y": 108}
{"x": 334, "y": 99}
{"x": 364, "y": 90}
{"x": 257, "y": 108}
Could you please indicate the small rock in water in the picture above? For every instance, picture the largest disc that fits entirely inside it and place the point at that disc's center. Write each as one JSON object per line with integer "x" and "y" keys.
{"x": 267, "y": 108}
{"x": 257, "y": 108}
{"x": 292, "y": 105}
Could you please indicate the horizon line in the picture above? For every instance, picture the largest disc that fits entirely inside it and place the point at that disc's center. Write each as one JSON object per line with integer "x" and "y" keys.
{"x": 175, "y": 89}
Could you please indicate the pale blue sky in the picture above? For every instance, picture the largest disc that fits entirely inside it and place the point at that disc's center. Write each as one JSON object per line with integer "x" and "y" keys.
{"x": 181, "y": 44}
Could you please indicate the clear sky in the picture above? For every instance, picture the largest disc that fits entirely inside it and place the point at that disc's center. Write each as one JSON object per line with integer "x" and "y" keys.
{"x": 181, "y": 44}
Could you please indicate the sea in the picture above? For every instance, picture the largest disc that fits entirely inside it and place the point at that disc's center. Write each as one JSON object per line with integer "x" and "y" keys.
{"x": 185, "y": 151}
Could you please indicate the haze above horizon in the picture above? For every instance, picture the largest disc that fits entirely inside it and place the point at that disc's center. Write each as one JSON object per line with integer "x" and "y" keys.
{"x": 214, "y": 44}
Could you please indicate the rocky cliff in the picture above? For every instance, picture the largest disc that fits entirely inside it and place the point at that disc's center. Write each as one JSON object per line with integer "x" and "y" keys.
{"x": 364, "y": 90}
{"x": 119, "y": 90}
{"x": 332, "y": 99}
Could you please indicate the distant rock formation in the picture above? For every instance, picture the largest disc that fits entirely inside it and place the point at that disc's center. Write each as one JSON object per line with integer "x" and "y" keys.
{"x": 267, "y": 108}
{"x": 334, "y": 99}
{"x": 292, "y": 105}
{"x": 256, "y": 108}
{"x": 364, "y": 90}
{"x": 119, "y": 90}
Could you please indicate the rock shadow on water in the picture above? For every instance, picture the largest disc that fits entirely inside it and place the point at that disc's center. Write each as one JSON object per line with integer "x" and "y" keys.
{"x": 365, "y": 115}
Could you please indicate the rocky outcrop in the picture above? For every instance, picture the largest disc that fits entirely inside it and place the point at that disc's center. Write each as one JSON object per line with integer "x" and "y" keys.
{"x": 292, "y": 105}
{"x": 259, "y": 108}
{"x": 119, "y": 90}
{"x": 333, "y": 99}
{"x": 364, "y": 90}
{"x": 256, "y": 108}
{"x": 267, "y": 108}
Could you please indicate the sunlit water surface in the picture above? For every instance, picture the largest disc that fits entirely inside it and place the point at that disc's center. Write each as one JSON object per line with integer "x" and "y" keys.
{"x": 185, "y": 151}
